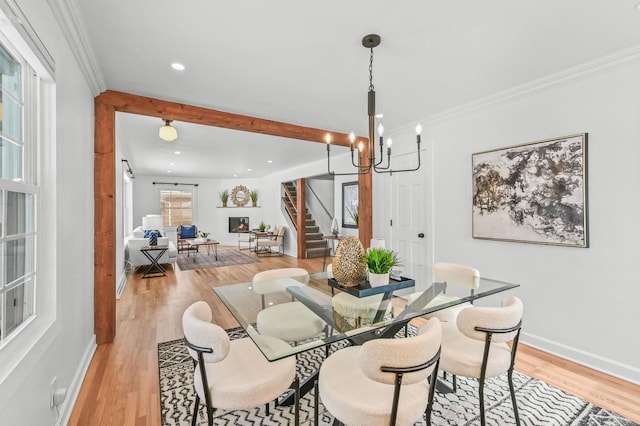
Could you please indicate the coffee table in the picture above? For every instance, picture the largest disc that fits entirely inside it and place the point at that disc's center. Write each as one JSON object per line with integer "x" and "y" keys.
{"x": 197, "y": 243}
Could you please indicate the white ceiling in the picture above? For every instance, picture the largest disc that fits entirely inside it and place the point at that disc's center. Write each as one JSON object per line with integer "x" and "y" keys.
{"x": 303, "y": 63}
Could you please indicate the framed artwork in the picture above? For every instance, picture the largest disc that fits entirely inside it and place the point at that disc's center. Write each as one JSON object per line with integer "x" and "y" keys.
{"x": 350, "y": 204}
{"x": 238, "y": 224}
{"x": 533, "y": 193}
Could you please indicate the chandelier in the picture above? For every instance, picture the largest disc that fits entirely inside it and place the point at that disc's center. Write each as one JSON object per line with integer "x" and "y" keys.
{"x": 370, "y": 41}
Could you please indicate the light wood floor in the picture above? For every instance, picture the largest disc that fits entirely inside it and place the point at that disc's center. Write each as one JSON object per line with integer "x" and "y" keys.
{"x": 121, "y": 386}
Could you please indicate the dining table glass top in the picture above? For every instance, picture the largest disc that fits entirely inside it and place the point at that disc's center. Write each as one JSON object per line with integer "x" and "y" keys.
{"x": 303, "y": 312}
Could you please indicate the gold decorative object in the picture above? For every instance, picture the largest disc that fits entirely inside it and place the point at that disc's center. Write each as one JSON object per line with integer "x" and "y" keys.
{"x": 349, "y": 267}
{"x": 240, "y": 195}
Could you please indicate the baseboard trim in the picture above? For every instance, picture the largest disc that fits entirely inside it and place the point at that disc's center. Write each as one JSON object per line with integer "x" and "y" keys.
{"x": 605, "y": 365}
{"x": 74, "y": 388}
{"x": 121, "y": 284}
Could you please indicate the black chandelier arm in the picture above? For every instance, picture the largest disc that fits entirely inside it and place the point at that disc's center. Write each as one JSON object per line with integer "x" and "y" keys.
{"x": 379, "y": 170}
{"x": 361, "y": 170}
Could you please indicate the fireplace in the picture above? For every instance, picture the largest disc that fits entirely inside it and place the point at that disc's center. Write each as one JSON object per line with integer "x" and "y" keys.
{"x": 238, "y": 224}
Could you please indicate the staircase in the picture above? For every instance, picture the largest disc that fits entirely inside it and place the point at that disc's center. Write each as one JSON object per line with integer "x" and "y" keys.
{"x": 315, "y": 244}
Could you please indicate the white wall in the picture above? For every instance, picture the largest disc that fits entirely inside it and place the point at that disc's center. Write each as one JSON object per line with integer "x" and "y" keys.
{"x": 66, "y": 347}
{"x": 581, "y": 304}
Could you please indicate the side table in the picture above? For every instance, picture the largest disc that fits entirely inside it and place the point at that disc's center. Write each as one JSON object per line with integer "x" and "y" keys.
{"x": 154, "y": 253}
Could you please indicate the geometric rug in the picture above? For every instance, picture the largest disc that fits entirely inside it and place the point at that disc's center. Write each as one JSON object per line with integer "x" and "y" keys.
{"x": 204, "y": 260}
{"x": 538, "y": 402}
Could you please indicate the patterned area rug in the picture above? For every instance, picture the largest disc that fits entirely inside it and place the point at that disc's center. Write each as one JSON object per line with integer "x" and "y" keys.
{"x": 538, "y": 402}
{"x": 204, "y": 260}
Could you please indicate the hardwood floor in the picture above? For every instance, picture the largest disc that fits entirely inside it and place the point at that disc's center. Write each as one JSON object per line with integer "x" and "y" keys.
{"x": 121, "y": 386}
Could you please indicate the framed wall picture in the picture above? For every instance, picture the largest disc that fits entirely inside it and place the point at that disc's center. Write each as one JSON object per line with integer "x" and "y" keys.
{"x": 533, "y": 193}
{"x": 350, "y": 204}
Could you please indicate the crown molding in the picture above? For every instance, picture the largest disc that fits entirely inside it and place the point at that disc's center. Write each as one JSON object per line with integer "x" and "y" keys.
{"x": 588, "y": 68}
{"x": 72, "y": 26}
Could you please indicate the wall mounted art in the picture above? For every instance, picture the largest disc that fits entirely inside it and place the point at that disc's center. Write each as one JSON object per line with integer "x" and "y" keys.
{"x": 533, "y": 193}
{"x": 350, "y": 205}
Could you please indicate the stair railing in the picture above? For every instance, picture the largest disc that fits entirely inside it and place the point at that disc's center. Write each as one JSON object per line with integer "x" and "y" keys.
{"x": 319, "y": 200}
{"x": 289, "y": 203}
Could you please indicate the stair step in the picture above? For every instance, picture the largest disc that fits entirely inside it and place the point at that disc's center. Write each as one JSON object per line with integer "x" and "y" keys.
{"x": 315, "y": 252}
{"x": 310, "y": 222}
{"x": 308, "y": 216}
{"x": 314, "y": 236}
{"x": 316, "y": 244}
{"x": 312, "y": 229}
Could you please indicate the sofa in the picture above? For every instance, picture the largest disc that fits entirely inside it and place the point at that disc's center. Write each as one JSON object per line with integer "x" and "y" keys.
{"x": 136, "y": 240}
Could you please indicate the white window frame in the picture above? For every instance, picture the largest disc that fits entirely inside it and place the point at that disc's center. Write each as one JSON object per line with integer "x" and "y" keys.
{"x": 39, "y": 179}
{"x": 194, "y": 194}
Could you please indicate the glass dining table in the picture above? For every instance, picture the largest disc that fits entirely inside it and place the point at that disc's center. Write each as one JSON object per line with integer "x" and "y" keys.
{"x": 313, "y": 291}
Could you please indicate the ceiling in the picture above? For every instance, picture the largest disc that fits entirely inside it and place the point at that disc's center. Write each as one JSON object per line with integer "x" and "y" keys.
{"x": 303, "y": 63}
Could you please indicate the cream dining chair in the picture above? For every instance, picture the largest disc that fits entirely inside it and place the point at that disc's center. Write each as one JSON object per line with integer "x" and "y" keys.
{"x": 384, "y": 381}
{"x": 234, "y": 374}
{"x": 476, "y": 346}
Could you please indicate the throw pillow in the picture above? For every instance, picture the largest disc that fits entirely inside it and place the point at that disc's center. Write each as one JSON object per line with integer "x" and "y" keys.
{"x": 188, "y": 231}
{"x": 138, "y": 232}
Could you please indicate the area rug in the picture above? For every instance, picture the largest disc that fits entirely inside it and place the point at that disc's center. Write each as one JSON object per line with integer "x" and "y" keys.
{"x": 204, "y": 260}
{"x": 538, "y": 402}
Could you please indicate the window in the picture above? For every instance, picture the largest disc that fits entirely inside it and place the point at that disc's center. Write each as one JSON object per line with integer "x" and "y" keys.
{"x": 18, "y": 194}
{"x": 176, "y": 207}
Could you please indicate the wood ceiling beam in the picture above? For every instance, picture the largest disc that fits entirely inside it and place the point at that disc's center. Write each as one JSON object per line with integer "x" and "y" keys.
{"x": 134, "y": 104}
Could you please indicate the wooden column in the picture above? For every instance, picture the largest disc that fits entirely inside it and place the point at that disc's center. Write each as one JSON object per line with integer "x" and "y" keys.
{"x": 104, "y": 294}
{"x": 365, "y": 202}
{"x": 301, "y": 219}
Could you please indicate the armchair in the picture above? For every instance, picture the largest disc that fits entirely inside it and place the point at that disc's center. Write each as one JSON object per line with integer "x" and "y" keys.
{"x": 186, "y": 232}
{"x": 267, "y": 245}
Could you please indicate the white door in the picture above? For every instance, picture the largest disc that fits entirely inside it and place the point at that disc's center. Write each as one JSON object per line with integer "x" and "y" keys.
{"x": 409, "y": 219}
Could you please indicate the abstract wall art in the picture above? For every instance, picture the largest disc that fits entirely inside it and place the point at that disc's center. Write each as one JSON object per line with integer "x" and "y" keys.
{"x": 533, "y": 193}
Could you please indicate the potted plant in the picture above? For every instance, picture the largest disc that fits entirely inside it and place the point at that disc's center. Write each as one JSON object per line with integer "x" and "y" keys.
{"x": 262, "y": 227}
{"x": 379, "y": 262}
{"x": 254, "y": 197}
{"x": 354, "y": 212}
{"x": 224, "y": 197}
{"x": 204, "y": 235}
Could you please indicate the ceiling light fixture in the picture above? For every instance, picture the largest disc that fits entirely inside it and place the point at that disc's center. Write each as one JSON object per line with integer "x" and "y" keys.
{"x": 177, "y": 66}
{"x": 370, "y": 41}
{"x": 167, "y": 132}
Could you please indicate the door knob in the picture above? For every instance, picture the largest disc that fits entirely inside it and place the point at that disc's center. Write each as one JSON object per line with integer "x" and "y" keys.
{"x": 421, "y": 235}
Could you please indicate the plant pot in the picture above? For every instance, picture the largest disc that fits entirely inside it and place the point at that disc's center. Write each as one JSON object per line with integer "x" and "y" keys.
{"x": 376, "y": 280}
{"x": 254, "y": 203}
{"x": 224, "y": 204}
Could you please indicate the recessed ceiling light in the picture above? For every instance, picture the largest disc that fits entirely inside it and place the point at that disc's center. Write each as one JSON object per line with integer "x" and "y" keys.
{"x": 172, "y": 164}
{"x": 168, "y": 171}
{"x": 379, "y": 115}
{"x": 177, "y": 152}
{"x": 177, "y": 66}
{"x": 269, "y": 161}
{"x": 235, "y": 175}
{"x": 248, "y": 170}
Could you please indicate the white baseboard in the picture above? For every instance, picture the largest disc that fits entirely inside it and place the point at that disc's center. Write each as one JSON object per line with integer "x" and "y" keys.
{"x": 74, "y": 387}
{"x": 602, "y": 364}
{"x": 121, "y": 284}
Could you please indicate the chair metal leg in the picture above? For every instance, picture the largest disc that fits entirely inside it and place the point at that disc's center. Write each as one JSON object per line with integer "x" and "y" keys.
{"x": 210, "y": 415}
{"x": 513, "y": 398}
{"x": 316, "y": 404}
{"x": 194, "y": 418}
{"x": 455, "y": 383}
{"x": 266, "y": 408}
{"x": 481, "y": 391}
{"x": 296, "y": 384}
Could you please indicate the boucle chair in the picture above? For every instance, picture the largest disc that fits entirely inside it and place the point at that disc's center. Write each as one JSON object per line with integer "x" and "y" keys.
{"x": 477, "y": 345}
{"x": 451, "y": 274}
{"x": 290, "y": 321}
{"x": 384, "y": 381}
{"x": 233, "y": 374}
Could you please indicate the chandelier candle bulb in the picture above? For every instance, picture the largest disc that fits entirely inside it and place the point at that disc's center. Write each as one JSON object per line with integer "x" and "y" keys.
{"x": 352, "y": 138}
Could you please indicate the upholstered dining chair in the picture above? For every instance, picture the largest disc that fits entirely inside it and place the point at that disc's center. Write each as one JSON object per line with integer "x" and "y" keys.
{"x": 290, "y": 321}
{"x": 477, "y": 346}
{"x": 384, "y": 381}
{"x": 451, "y": 274}
{"x": 233, "y": 374}
{"x": 186, "y": 232}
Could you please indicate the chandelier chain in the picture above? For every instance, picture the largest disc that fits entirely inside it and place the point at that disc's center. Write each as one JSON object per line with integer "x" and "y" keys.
{"x": 371, "y": 70}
